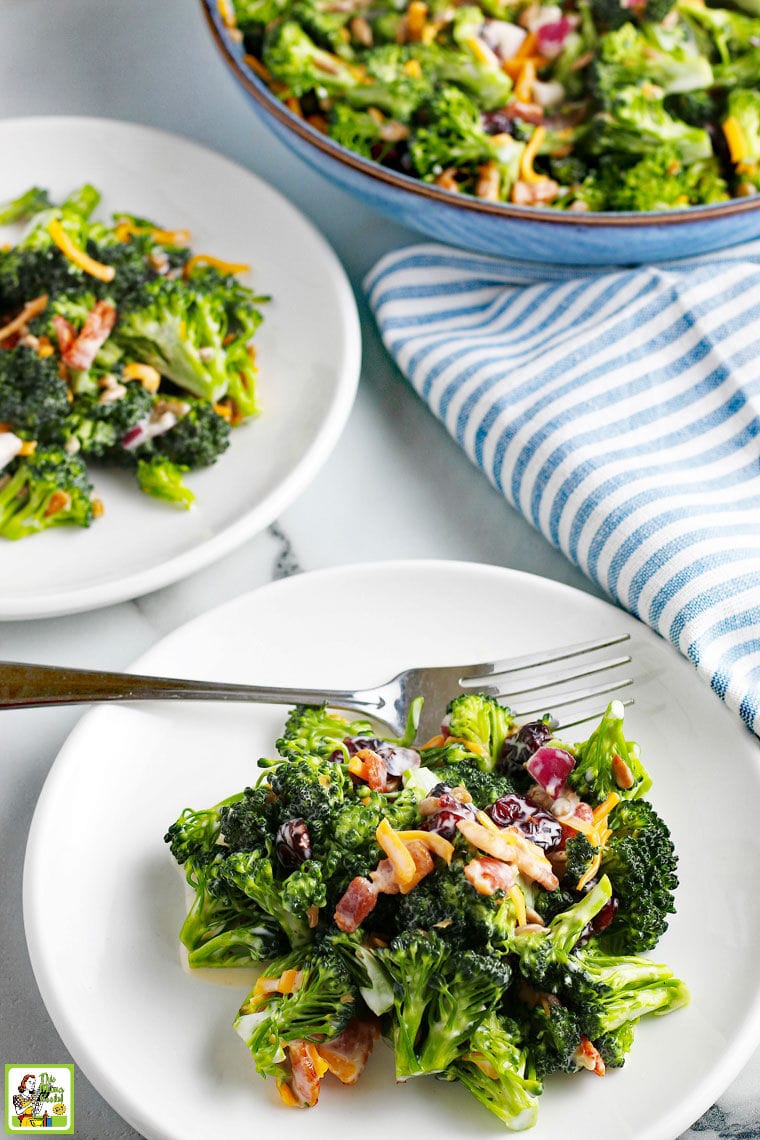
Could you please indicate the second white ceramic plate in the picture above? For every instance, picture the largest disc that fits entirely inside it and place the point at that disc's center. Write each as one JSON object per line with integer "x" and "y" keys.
{"x": 103, "y": 901}
{"x": 308, "y": 351}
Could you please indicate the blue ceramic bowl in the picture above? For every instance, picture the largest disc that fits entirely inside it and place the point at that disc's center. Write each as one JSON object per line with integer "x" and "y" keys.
{"x": 539, "y": 235}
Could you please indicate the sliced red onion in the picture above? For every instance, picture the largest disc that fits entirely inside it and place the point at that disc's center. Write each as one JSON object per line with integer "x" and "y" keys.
{"x": 147, "y": 429}
{"x": 10, "y": 445}
{"x": 552, "y": 36}
{"x": 503, "y": 38}
{"x": 400, "y": 760}
{"x": 550, "y": 768}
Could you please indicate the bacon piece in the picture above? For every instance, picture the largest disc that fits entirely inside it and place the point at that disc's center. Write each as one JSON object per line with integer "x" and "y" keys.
{"x": 375, "y": 769}
{"x": 384, "y": 881}
{"x": 357, "y": 902}
{"x": 304, "y": 1077}
{"x": 347, "y": 1054}
{"x": 490, "y": 875}
{"x": 384, "y": 878}
{"x": 94, "y": 332}
{"x": 588, "y": 1057}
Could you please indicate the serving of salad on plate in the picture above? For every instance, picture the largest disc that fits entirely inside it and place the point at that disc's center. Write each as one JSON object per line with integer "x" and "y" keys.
{"x": 482, "y": 900}
{"x": 118, "y": 346}
{"x": 594, "y": 105}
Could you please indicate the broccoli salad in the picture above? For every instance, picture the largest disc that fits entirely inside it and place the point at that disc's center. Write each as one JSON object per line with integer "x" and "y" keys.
{"x": 482, "y": 901}
{"x": 118, "y": 346}
{"x": 598, "y": 105}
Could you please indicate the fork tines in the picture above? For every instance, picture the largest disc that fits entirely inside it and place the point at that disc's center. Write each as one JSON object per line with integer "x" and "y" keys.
{"x": 533, "y": 690}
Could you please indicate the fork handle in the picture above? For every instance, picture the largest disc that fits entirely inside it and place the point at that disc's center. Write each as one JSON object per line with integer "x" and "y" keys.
{"x": 33, "y": 686}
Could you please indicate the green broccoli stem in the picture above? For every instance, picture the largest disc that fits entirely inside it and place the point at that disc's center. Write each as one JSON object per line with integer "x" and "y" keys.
{"x": 630, "y": 1005}
{"x": 565, "y": 929}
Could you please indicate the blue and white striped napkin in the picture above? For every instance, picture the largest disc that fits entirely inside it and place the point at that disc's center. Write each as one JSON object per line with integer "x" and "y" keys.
{"x": 619, "y": 411}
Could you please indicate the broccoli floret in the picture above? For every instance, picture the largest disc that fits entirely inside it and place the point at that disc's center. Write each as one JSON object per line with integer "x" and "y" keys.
{"x": 310, "y": 788}
{"x": 608, "y": 991}
{"x": 250, "y": 820}
{"x": 183, "y": 329}
{"x": 293, "y": 58}
{"x": 365, "y": 968}
{"x": 312, "y": 730}
{"x": 357, "y": 131}
{"x": 413, "y": 961}
{"x": 447, "y": 901}
{"x": 194, "y": 840}
{"x": 251, "y": 937}
{"x": 470, "y": 986}
{"x": 500, "y": 1081}
{"x": 49, "y": 488}
{"x": 391, "y": 84}
{"x": 98, "y": 426}
{"x": 660, "y": 181}
{"x": 667, "y": 57}
{"x": 613, "y": 13}
{"x": 195, "y": 835}
{"x": 580, "y": 855}
{"x": 600, "y": 760}
{"x": 725, "y": 34}
{"x": 33, "y": 397}
{"x": 36, "y": 266}
{"x": 254, "y": 12}
{"x": 637, "y": 123}
{"x": 553, "y": 1033}
{"x": 27, "y": 204}
{"x": 318, "y": 1009}
{"x": 162, "y": 479}
{"x": 304, "y": 888}
{"x": 615, "y": 1045}
{"x": 454, "y": 764}
{"x": 544, "y": 953}
{"x": 549, "y": 903}
{"x": 457, "y": 139}
{"x": 251, "y": 873}
{"x": 482, "y": 721}
{"x": 640, "y": 860}
{"x": 198, "y": 438}
{"x": 487, "y": 85}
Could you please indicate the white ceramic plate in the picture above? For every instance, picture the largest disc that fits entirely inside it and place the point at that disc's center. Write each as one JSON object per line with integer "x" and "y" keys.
{"x": 103, "y": 901}
{"x": 308, "y": 350}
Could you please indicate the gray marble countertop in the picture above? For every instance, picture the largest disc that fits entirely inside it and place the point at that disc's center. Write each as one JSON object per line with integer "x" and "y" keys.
{"x": 395, "y": 466}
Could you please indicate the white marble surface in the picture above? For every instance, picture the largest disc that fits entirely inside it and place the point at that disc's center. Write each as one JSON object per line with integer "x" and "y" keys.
{"x": 396, "y": 486}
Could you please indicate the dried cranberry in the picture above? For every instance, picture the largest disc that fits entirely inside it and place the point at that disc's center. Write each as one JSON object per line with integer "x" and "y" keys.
{"x": 498, "y": 123}
{"x": 602, "y": 920}
{"x": 536, "y": 824}
{"x": 450, "y": 811}
{"x": 293, "y": 842}
{"x": 518, "y": 749}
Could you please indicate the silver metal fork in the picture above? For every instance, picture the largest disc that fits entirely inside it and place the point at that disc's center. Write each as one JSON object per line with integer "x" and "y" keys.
{"x": 540, "y": 683}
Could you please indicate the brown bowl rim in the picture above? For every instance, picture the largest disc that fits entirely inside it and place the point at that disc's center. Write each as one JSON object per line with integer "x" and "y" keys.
{"x": 258, "y": 90}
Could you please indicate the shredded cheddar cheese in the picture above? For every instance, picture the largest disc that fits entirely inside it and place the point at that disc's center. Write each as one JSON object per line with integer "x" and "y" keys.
{"x": 737, "y": 142}
{"x": 527, "y": 173}
{"x": 77, "y": 256}
{"x": 149, "y": 377}
{"x": 394, "y": 847}
{"x": 437, "y": 844}
{"x": 518, "y": 898}
{"x": 215, "y": 263}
